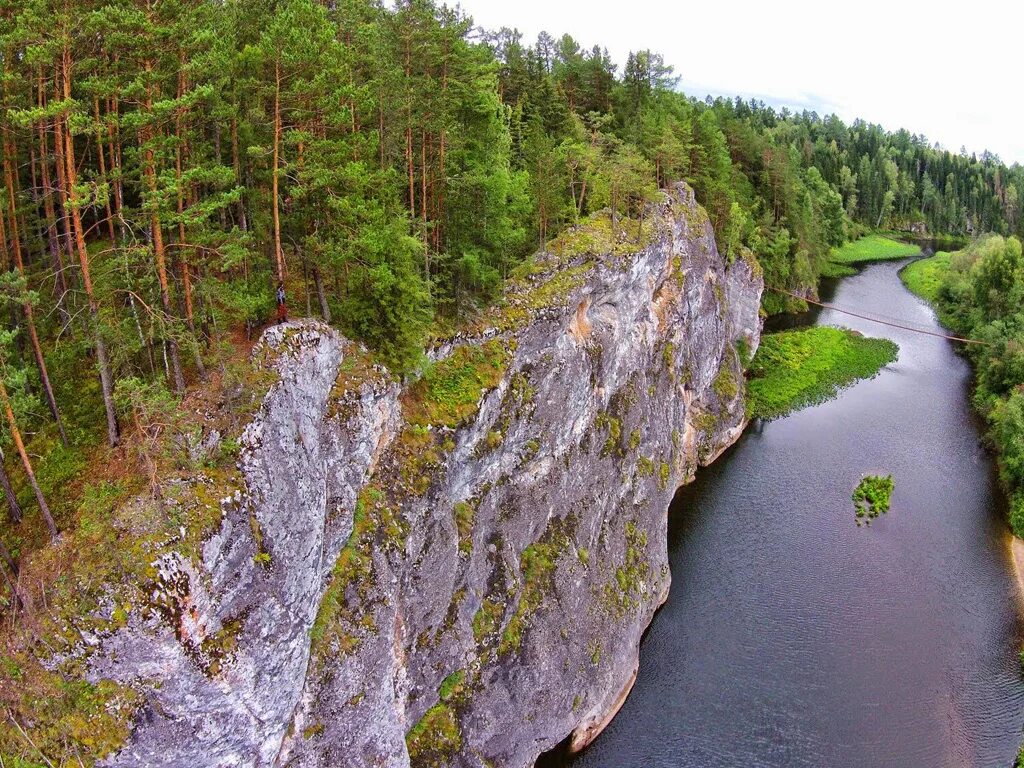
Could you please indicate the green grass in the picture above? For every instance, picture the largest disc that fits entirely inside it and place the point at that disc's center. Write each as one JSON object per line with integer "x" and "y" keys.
{"x": 872, "y": 248}
{"x": 795, "y": 369}
{"x": 537, "y": 564}
{"x": 924, "y": 277}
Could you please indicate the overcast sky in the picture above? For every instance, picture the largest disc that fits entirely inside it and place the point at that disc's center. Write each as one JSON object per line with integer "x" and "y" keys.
{"x": 952, "y": 73}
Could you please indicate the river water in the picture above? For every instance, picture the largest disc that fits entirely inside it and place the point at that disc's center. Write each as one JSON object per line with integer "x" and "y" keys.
{"x": 794, "y": 638}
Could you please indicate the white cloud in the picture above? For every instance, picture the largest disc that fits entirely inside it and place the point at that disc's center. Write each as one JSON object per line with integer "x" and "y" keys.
{"x": 946, "y": 71}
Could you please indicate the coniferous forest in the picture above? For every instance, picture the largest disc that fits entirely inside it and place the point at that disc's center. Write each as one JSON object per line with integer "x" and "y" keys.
{"x": 166, "y": 166}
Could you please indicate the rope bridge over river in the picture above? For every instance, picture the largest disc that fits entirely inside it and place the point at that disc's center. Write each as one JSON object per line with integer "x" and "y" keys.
{"x": 892, "y": 323}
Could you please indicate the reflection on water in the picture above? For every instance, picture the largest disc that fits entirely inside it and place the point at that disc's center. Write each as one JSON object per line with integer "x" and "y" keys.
{"x": 794, "y": 638}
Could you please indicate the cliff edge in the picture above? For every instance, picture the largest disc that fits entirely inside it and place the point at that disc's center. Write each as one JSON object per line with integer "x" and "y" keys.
{"x": 456, "y": 571}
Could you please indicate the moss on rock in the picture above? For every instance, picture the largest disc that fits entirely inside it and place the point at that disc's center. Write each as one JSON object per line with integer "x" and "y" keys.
{"x": 435, "y": 739}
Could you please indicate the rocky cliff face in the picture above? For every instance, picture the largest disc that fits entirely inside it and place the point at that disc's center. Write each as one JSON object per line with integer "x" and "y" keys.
{"x": 458, "y": 571}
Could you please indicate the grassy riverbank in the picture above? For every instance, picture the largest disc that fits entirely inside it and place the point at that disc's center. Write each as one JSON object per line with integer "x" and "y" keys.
{"x": 795, "y": 369}
{"x": 924, "y": 277}
{"x": 872, "y": 248}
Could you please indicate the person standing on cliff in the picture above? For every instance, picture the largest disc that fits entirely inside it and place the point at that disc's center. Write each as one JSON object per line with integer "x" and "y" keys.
{"x": 282, "y": 307}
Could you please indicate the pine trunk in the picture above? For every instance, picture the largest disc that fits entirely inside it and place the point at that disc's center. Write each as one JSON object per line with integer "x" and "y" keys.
{"x": 12, "y": 425}
{"x": 423, "y": 198}
{"x": 63, "y": 195}
{"x": 243, "y": 224}
{"x": 71, "y": 204}
{"x": 30, "y": 323}
{"x": 279, "y": 252}
{"x": 103, "y": 171}
{"x": 325, "y": 309}
{"x": 50, "y": 223}
{"x": 159, "y": 251}
{"x": 186, "y": 277}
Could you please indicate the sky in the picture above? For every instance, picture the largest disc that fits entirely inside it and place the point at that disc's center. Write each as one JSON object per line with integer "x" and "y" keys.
{"x": 949, "y": 72}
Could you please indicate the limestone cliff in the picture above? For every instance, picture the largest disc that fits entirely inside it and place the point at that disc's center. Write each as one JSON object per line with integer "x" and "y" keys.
{"x": 456, "y": 571}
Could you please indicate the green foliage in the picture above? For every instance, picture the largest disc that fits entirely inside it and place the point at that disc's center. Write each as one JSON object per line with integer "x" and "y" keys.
{"x": 601, "y": 234}
{"x": 1016, "y": 516}
{"x": 645, "y": 466}
{"x": 872, "y": 248}
{"x": 831, "y": 269}
{"x": 397, "y": 168}
{"x": 996, "y": 277}
{"x": 386, "y": 303}
{"x": 97, "y": 717}
{"x": 486, "y": 619}
{"x": 1007, "y": 420}
{"x": 725, "y": 384}
{"x": 872, "y": 497}
{"x": 449, "y": 391}
{"x": 624, "y": 594}
{"x": 151, "y": 410}
{"x": 465, "y": 514}
{"x": 339, "y": 623}
{"x": 795, "y": 369}
{"x": 612, "y": 444}
{"x": 664, "y": 473}
{"x": 537, "y": 566}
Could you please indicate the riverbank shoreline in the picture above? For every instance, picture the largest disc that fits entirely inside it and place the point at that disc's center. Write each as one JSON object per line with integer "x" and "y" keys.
{"x": 1017, "y": 555}
{"x": 923, "y": 277}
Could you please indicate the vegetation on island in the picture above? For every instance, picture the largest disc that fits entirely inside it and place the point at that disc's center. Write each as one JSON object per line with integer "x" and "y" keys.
{"x": 872, "y": 497}
{"x": 979, "y": 293}
{"x": 796, "y": 369}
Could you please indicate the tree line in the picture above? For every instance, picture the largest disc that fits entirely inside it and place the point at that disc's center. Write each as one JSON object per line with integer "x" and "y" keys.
{"x": 168, "y": 165}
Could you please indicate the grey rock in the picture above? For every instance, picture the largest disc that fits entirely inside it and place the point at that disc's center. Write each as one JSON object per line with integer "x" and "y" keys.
{"x": 610, "y": 398}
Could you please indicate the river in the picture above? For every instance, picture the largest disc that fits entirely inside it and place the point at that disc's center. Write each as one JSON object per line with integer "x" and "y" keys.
{"x": 794, "y": 638}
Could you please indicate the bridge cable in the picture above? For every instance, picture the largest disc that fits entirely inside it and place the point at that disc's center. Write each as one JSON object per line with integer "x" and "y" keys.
{"x": 834, "y": 308}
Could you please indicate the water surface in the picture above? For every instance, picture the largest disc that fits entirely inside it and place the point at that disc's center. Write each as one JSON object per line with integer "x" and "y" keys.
{"x": 794, "y": 638}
